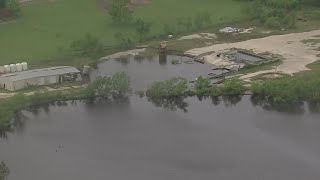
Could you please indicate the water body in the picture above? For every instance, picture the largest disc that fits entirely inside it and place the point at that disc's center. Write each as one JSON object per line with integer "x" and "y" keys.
{"x": 144, "y": 71}
{"x": 140, "y": 141}
{"x": 181, "y": 139}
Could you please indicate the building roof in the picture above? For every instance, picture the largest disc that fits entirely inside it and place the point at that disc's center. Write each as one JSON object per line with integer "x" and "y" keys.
{"x": 29, "y": 74}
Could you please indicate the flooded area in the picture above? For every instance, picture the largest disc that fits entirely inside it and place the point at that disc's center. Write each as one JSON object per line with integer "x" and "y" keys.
{"x": 178, "y": 139}
{"x": 144, "y": 71}
{"x": 209, "y": 139}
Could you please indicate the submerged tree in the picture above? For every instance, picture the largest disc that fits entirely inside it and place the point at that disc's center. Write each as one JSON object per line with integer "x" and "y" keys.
{"x": 4, "y": 171}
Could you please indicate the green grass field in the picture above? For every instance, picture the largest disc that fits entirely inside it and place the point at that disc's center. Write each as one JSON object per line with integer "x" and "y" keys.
{"x": 45, "y": 27}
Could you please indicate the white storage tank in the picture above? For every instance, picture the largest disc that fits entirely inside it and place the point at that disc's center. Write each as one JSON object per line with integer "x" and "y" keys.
{"x": 6, "y": 68}
{"x": 24, "y": 66}
{"x": 19, "y": 67}
{"x": 1, "y": 70}
{"x": 13, "y": 68}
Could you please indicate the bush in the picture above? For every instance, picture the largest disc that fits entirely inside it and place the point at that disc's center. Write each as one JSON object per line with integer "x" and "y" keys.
{"x": 202, "y": 86}
{"x": 116, "y": 86}
{"x": 233, "y": 86}
{"x": 142, "y": 29}
{"x": 173, "y": 87}
{"x": 14, "y": 7}
{"x": 289, "y": 90}
{"x": 289, "y": 20}
{"x": 272, "y": 22}
{"x": 120, "y": 12}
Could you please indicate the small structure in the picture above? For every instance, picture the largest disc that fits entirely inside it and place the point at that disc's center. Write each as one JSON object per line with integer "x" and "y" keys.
{"x": 38, "y": 77}
{"x": 241, "y": 56}
{"x": 163, "y": 47}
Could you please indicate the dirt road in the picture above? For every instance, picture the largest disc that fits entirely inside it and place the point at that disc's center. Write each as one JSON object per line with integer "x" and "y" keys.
{"x": 296, "y": 53}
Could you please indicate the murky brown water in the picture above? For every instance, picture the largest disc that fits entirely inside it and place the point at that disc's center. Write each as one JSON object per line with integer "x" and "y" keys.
{"x": 137, "y": 139}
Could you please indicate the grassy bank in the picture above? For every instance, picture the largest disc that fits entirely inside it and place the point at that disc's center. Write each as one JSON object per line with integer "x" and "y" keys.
{"x": 45, "y": 30}
{"x": 303, "y": 86}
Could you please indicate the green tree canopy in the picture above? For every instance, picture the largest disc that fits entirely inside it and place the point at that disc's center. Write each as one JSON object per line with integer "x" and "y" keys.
{"x": 120, "y": 12}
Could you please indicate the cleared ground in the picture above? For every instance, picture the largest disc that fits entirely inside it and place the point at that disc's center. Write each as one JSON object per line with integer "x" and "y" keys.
{"x": 297, "y": 54}
{"x": 46, "y": 28}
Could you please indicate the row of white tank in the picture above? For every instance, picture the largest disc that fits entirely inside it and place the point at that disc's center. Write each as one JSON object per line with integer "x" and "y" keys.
{"x": 13, "y": 68}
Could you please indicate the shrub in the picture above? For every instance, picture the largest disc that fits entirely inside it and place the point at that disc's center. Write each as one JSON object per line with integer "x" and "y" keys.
{"x": 14, "y": 7}
{"x": 116, "y": 86}
{"x": 173, "y": 87}
{"x": 120, "y": 12}
{"x": 142, "y": 29}
{"x": 289, "y": 20}
{"x": 233, "y": 86}
{"x": 202, "y": 86}
{"x": 272, "y": 22}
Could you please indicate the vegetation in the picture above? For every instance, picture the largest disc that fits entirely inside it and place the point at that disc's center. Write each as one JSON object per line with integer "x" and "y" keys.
{"x": 4, "y": 171}
{"x": 177, "y": 87}
{"x": 106, "y": 87}
{"x": 142, "y": 29}
{"x": 14, "y": 7}
{"x": 289, "y": 89}
{"x": 88, "y": 46}
{"x": 11, "y": 7}
{"x": 109, "y": 87}
{"x": 42, "y": 21}
{"x": 120, "y": 12}
{"x": 173, "y": 87}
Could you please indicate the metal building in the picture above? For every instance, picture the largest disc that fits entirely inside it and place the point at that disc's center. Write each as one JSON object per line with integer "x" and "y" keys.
{"x": 38, "y": 77}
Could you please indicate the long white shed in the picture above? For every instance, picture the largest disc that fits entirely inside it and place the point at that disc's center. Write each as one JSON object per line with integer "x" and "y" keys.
{"x": 39, "y": 77}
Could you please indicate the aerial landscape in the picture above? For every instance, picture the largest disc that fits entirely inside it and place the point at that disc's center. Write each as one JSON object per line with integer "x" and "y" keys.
{"x": 159, "y": 89}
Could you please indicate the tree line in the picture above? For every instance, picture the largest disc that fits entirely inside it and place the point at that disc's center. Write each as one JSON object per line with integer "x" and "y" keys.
{"x": 12, "y": 7}
{"x": 276, "y": 13}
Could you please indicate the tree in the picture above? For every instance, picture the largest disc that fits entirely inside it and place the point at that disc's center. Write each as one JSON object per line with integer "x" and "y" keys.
{"x": 201, "y": 85}
{"x": 142, "y": 29}
{"x": 120, "y": 12}
{"x": 120, "y": 84}
{"x": 4, "y": 171}
{"x": 14, "y": 7}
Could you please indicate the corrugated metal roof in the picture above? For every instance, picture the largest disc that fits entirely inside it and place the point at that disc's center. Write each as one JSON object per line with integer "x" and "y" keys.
{"x": 59, "y": 70}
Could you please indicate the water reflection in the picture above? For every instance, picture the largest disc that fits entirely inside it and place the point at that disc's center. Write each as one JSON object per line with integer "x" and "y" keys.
{"x": 268, "y": 105}
{"x": 172, "y": 104}
{"x": 162, "y": 59}
{"x": 314, "y": 107}
{"x": 123, "y": 60}
{"x": 231, "y": 100}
